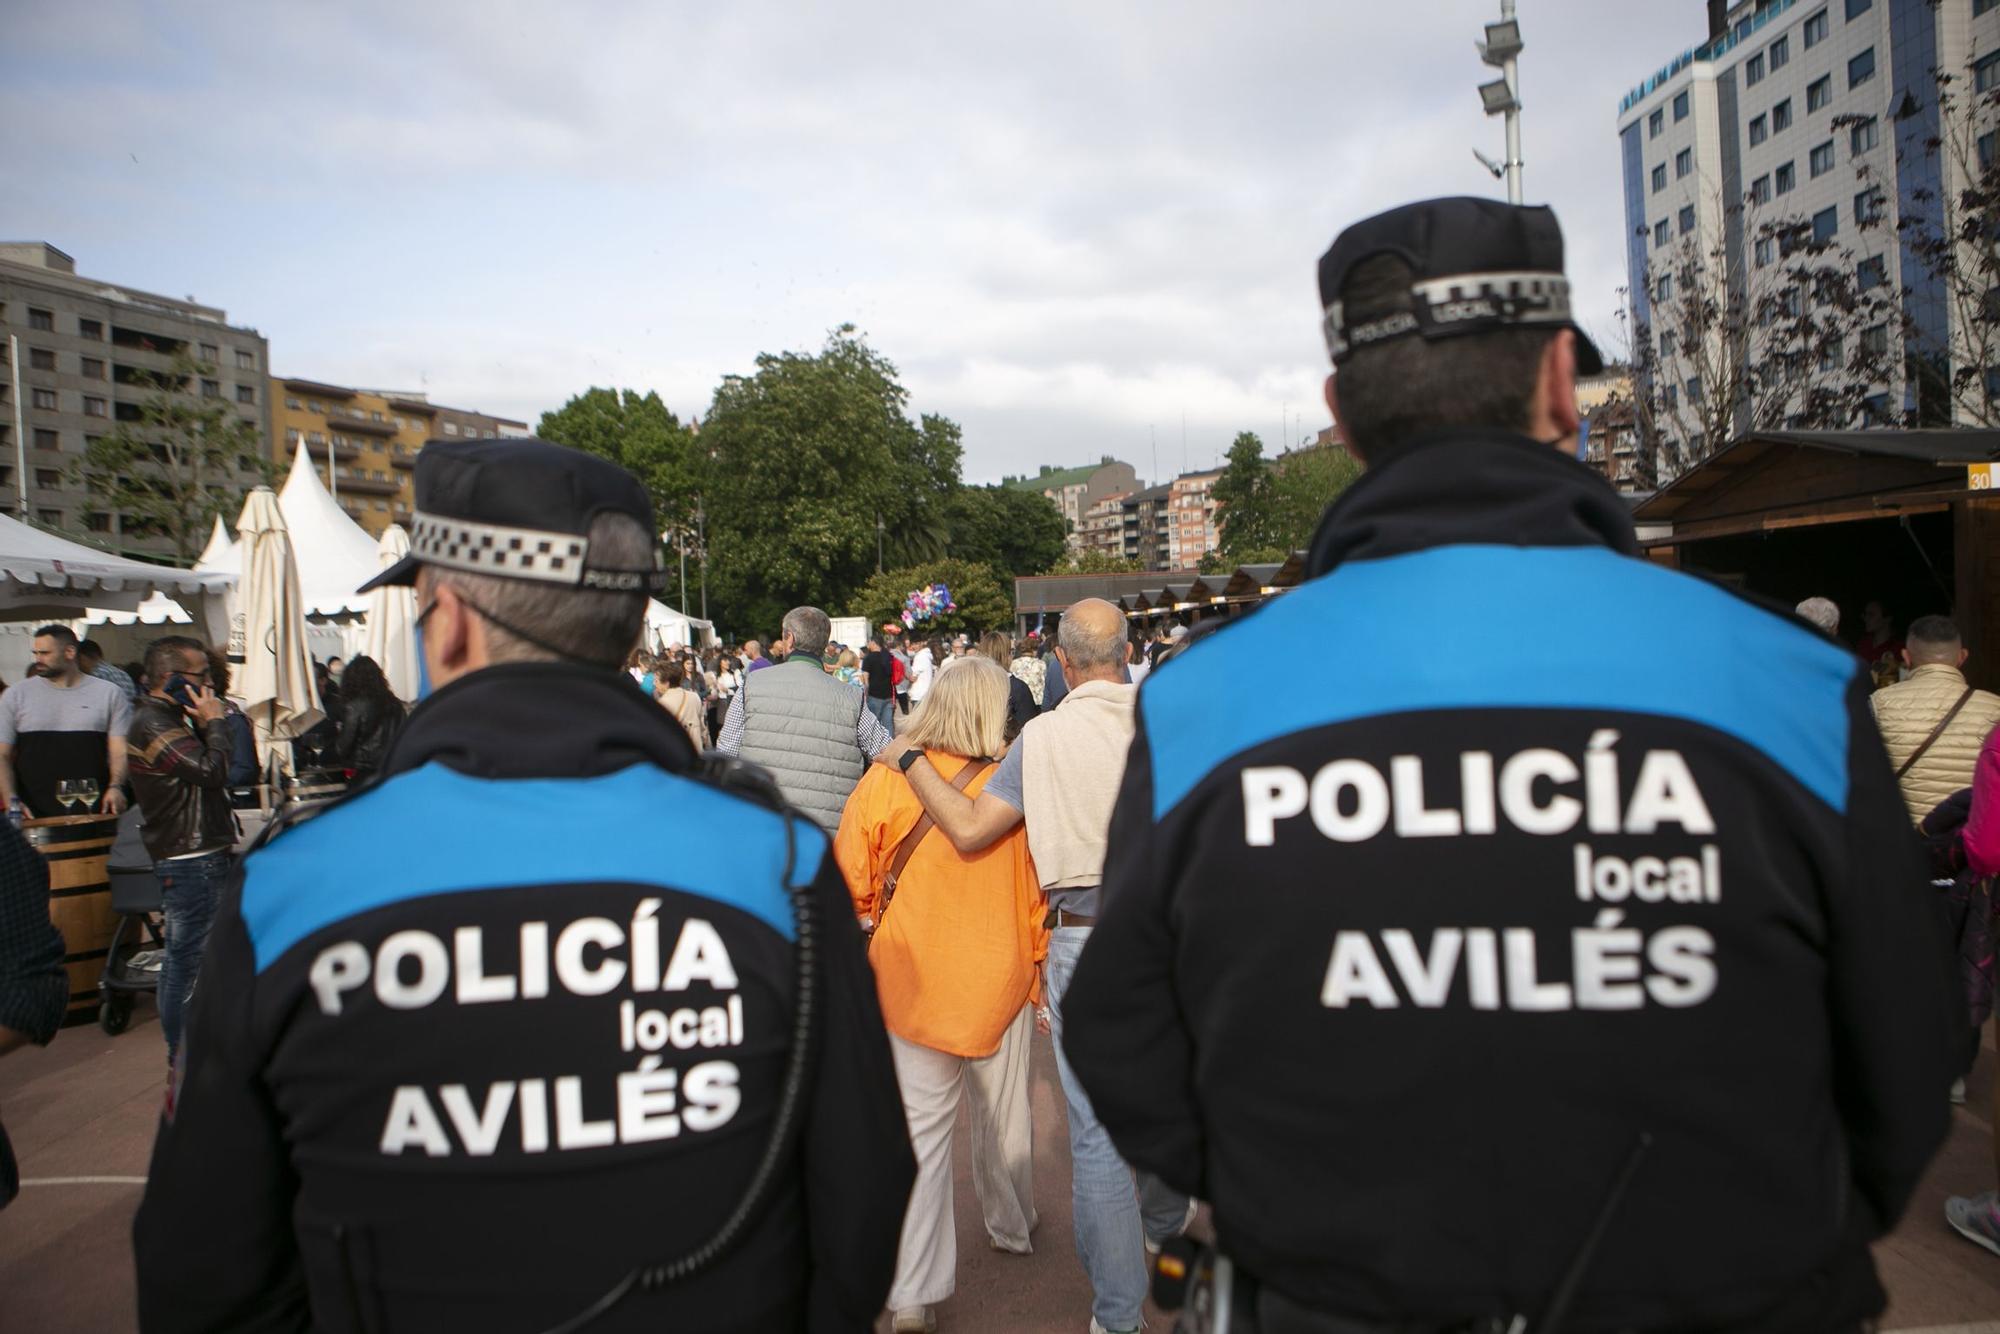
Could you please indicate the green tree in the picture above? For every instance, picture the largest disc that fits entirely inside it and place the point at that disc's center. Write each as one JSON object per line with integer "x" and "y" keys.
{"x": 1243, "y": 495}
{"x": 638, "y": 433}
{"x": 186, "y": 459}
{"x": 984, "y": 597}
{"x": 799, "y": 462}
{"x": 1302, "y": 485}
{"x": 1014, "y": 531}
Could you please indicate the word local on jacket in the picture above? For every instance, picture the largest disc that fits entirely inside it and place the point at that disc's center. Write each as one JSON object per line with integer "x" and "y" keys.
{"x": 1613, "y": 966}
{"x": 413, "y": 969}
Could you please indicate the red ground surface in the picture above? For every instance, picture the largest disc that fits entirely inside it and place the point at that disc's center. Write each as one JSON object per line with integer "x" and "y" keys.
{"x": 85, "y": 1108}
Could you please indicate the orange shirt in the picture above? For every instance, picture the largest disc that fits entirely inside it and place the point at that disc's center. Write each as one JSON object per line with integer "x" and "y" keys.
{"x": 956, "y": 953}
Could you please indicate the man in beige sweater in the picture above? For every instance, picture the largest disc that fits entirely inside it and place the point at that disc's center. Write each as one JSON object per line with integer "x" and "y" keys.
{"x": 1910, "y": 711}
{"x": 1062, "y": 776}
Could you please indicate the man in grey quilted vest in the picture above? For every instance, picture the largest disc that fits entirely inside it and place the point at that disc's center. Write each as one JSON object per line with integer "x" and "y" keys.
{"x": 812, "y": 731}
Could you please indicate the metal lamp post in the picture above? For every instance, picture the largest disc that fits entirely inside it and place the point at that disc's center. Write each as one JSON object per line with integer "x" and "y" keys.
{"x": 1502, "y": 97}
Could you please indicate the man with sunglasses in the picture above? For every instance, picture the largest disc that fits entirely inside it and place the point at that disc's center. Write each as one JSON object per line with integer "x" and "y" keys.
{"x": 179, "y": 749}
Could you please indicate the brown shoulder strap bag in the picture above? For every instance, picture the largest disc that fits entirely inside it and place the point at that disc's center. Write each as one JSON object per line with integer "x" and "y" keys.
{"x": 908, "y": 847}
{"x": 1936, "y": 732}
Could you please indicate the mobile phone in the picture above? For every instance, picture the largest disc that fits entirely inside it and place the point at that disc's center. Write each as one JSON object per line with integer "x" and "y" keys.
{"x": 177, "y": 691}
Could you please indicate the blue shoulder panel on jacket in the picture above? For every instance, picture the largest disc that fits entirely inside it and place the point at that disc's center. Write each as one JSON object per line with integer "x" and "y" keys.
{"x": 1470, "y": 627}
{"x": 436, "y": 831}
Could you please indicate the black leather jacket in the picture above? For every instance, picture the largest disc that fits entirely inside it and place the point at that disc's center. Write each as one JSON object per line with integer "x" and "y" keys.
{"x": 180, "y": 777}
{"x": 368, "y": 724}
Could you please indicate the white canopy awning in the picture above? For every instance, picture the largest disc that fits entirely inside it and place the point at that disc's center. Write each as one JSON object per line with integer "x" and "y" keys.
{"x": 334, "y": 554}
{"x": 666, "y": 626}
{"x": 48, "y": 576}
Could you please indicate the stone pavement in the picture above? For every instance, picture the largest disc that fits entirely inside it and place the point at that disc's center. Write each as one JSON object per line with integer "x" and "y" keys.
{"x": 81, "y": 1116}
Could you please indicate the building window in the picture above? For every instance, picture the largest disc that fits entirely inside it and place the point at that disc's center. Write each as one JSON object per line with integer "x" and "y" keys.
{"x": 210, "y": 353}
{"x": 1871, "y": 273}
{"x": 1781, "y": 116}
{"x": 1760, "y": 190}
{"x": 1666, "y": 287}
{"x": 48, "y": 479}
{"x": 245, "y": 361}
{"x": 1863, "y": 136}
{"x": 1767, "y": 250}
{"x": 1820, "y": 161}
{"x": 1830, "y": 354}
{"x": 1659, "y": 178}
{"x": 1825, "y": 223}
{"x": 1753, "y": 70}
{"x": 294, "y": 404}
{"x": 1683, "y": 163}
{"x": 1983, "y": 7}
{"x": 1819, "y": 92}
{"x": 50, "y": 518}
{"x": 47, "y": 439}
{"x": 1989, "y": 144}
{"x": 1656, "y": 123}
{"x": 1672, "y": 394}
{"x": 451, "y": 428}
{"x": 44, "y": 400}
{"x": 90, "y": 329}
{"x": 1787, "y": 177}
{"x": 1668, "y": 343}
{"x": 1986, "y": 72}
{"x": 41, "y": 359}
{"x": 1680, "y": 106}
{"x": 1760, "y": 130}
{"x": 1875, "y": 340}
{"x": 1869, "y": 206}
{"x": 1781, "y": 53}
{"x": 292, "y": 436}
{"x": 1856, "y": 8}
{"x": 1660, "y": 233}
{"x": 1686, "y": 219}
{"x": 94, "y": 407}
{"x": 245, "y": 394}
{"x": 1816, "y": 28}
{"x": 211, "y": 389}
{"x": 92, "y": 368}
{"x": 97, "y": 521}
{"x": 1861, "y": 69}
{"x": 41, "y": 319}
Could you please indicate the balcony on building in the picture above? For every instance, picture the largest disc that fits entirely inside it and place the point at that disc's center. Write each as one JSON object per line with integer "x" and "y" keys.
{"x": 314, "y": 389}
{"x": 365, "y": 425}
{"x": 372, "y": 486}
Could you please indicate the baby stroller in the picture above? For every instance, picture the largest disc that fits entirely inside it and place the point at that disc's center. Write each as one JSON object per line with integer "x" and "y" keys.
{"x": 132, "y": 961}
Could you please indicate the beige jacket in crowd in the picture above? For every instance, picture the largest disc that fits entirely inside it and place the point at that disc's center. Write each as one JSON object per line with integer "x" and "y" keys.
{"x": 1907, "y": 711}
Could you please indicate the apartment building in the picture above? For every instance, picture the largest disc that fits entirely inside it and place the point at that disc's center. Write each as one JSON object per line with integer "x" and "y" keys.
{"x": 1783, "y": 129}
{"x": 86, "y": 349}
{"x": 365, "y": 441}
{"x": 1076, "y": 490}
{"x": 1103, "y": 526}
{"x": 1148, "y": 535}
{"x": 1192, "y": 527}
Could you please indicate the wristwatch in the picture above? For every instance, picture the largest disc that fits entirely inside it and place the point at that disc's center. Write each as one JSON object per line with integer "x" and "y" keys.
{"x": 909, "y": 757}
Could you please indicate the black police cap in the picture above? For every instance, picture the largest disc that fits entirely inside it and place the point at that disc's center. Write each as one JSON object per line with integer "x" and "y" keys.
{"x": 1478, "y": 265}
{"x": 520, "y": 509}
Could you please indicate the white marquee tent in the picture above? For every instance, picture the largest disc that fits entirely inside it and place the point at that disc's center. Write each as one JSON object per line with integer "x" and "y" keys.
{"x": 43, "y": 576}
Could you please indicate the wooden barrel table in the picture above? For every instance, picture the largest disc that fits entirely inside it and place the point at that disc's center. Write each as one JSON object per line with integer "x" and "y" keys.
{"x": 78, "y": 850}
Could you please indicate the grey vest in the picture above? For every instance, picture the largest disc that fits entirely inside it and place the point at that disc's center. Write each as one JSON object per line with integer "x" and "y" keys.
{"x": 799, "y": 723}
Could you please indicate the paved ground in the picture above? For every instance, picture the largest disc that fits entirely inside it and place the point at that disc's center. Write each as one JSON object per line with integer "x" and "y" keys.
{"x": 81, "y": 1117}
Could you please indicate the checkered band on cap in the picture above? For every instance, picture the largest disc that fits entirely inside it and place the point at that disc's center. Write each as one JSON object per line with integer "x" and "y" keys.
{"x": 1466, "y": 303}
{"x": 512, "y": 553}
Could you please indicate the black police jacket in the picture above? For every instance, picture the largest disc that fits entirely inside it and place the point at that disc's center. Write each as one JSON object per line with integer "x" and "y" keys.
{"x": 1525, "y": 848}
{"x": 475, "y": 1043}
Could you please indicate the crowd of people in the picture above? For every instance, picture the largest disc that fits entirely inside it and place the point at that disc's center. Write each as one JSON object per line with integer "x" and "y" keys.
{"x": 1507, "y": 980}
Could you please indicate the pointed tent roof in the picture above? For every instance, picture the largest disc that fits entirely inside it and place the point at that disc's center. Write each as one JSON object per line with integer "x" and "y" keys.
{"x": 335, "y": 555}
{"x": 221, "y": 552}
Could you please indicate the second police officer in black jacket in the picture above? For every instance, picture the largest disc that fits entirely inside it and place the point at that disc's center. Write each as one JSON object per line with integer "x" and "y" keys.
{"x": 1539, "y": 868}
{"x": 475, "y": 1045}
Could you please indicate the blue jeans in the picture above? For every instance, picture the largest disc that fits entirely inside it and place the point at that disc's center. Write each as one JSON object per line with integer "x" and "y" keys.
{"x": 1111, "y": 1215}
{"x": 885, "y": 713}
{"x": 188, "y": 893}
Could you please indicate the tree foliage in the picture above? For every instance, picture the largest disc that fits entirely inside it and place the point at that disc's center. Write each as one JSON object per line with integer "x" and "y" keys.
{"x": 1274, "y": 505}
{"x": 797, "y": 464}
{"x": 1015, "y": 531}
{"x": 187, "y": 459}
{"x": 985, "y": 598}
{"x": 638, "y": 433}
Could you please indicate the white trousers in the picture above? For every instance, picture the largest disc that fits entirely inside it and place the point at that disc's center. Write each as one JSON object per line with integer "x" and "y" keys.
{"x": 1003, "y": 1157}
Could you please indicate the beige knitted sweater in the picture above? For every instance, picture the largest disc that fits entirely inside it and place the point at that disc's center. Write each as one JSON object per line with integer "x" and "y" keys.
{"x": 1070, "y": 772}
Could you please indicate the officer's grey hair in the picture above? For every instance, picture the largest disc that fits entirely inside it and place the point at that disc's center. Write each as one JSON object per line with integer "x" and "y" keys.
{"x": 1092, "y": 642}
{"x": 1822, "y": 612}
{"x": 596, "y": 627}
{"x": 808, "y": 628}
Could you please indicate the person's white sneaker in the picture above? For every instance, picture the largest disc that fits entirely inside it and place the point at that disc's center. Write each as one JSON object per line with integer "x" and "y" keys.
{"x": 1096, "y": 1328}
{"x": 1958, "y": 1093}
{"x": 915, "y": 1320}
{"x": 1187, "y": 1221}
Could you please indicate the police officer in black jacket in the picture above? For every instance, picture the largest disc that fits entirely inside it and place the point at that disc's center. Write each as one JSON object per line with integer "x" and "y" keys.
{"x": 1557, "y": 896}
{"x": 504, "y": 1037}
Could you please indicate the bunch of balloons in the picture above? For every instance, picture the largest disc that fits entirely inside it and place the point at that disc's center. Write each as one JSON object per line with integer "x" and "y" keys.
{"x": 924, "y": 603}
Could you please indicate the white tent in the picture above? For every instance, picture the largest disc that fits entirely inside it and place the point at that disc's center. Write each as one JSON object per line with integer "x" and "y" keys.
{"x": 42, "y": 575}
{"x": 221, "y": 552}
{"x": 666, "y": 627}
{"x": 276, "y": 684}
{"x": 335, "y": 555}
{"x": 391, "y": 635}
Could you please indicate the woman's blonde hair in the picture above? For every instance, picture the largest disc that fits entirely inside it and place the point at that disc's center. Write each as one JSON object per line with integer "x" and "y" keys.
{"x": 965, "y": 712}
{"x": 997, "y": 646}
{"x": 847, "y": 658}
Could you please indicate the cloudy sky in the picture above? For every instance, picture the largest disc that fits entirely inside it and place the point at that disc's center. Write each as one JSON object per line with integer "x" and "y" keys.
{"x": 1077, "y": 228}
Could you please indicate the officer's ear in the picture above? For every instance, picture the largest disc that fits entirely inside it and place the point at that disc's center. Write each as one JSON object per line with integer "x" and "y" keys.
{"x": 1340, "y": 428}
{"x": 1553, "y": 409}
{"x": 453, "y": 636}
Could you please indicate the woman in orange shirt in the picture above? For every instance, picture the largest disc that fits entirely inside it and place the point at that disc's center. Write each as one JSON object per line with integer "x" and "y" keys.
{"x": 956, "y": 951}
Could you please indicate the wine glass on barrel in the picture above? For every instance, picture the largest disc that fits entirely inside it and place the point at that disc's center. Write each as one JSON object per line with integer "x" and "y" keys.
{"x": 66, "y": 794}
{"x": 86, "y": 792}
